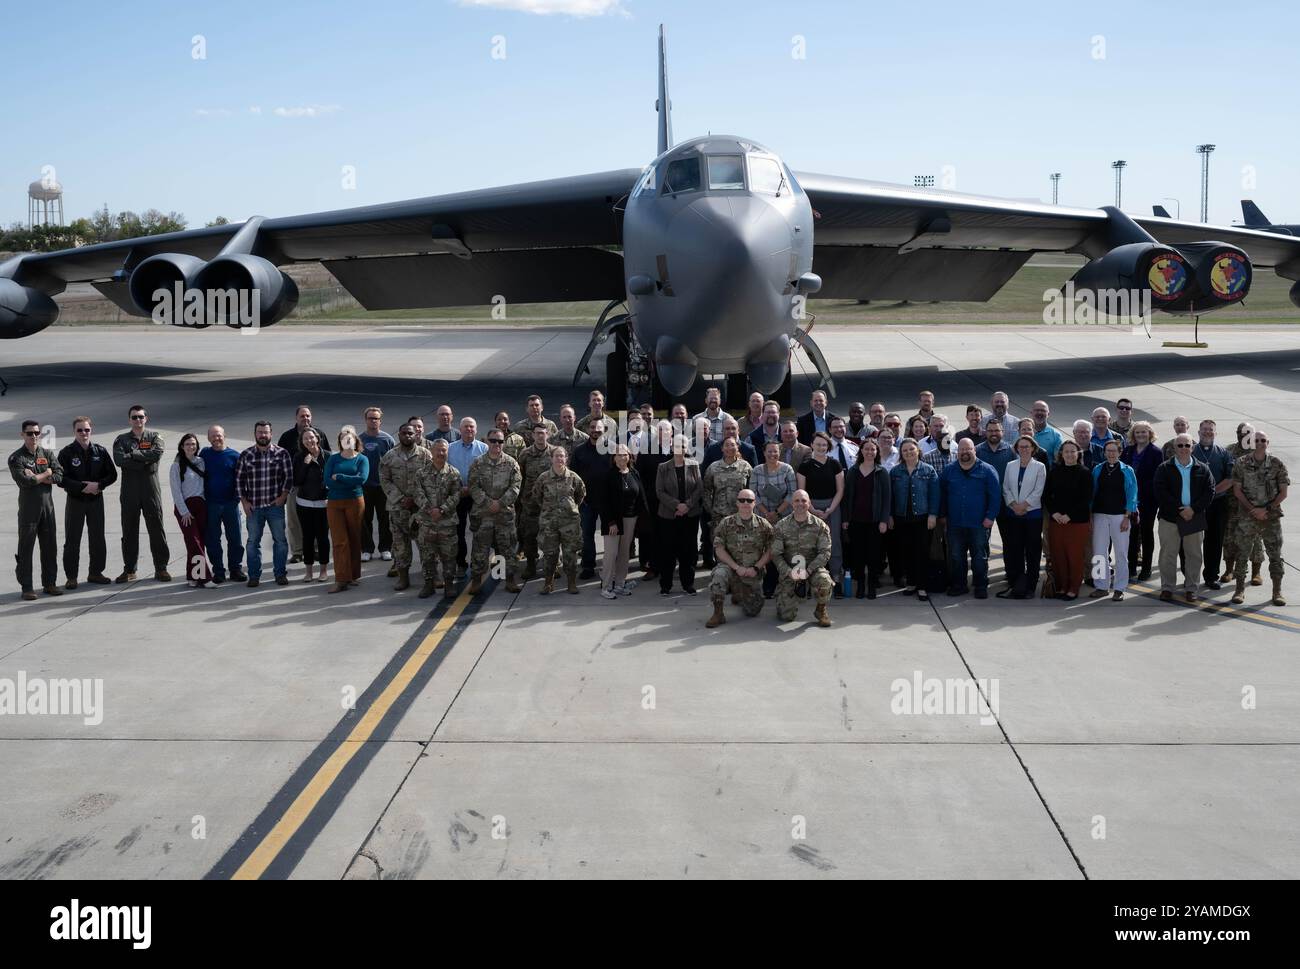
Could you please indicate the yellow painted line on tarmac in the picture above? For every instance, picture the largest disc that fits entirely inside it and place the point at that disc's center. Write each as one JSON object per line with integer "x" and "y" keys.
{"x": 302, "y": 806}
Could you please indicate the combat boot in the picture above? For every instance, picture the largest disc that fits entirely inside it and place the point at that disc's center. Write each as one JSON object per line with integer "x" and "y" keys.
{"x": 548, "y": 586}
{"x": 403, "y": 580}
{"x": 428, "y": 589}
{"x": 1239, "y": 596}
{"x": 530, "y": 570}
{"x": 512, "y": 585}
{"x": 1255, "y": 577}
{"x": 717, "y": 619}
{"x": 573, "y": 583}
{"x": 475, "y": 584}
{"x": 822, "y": 618}
{"x": 392, "y": 572}
{"x": 1277, "y": 593}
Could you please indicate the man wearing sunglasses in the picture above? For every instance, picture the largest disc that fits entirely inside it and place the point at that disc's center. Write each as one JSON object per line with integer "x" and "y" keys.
{"x": 87, "y": 470}
{"x": 1184, "y": 488}
{"x": 494, "y": 483}
{"x": 1122, "y": 422}
{"x": 742, "y": 546}
{"x": 137, "y": 453}
{"x": 35, "y": 469}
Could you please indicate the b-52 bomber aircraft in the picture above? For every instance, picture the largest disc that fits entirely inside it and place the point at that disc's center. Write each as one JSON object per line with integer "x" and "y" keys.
{"x": 705, "y": 258}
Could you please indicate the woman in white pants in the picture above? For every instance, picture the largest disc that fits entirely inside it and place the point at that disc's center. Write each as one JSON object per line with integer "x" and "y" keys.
{"x": 1114, "y": 502}
{"x": 625, "y": 501}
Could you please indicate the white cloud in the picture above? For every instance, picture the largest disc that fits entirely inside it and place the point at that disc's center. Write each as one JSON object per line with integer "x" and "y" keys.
{"x": 213, "y": 112}
{"x": 307, "y": 111}
{"x": 255, "y": 109}
{"x": 571, "y": 8}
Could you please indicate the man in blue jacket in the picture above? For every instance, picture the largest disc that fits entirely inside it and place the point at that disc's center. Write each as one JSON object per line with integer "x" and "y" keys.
{"x": 970, "y": 495}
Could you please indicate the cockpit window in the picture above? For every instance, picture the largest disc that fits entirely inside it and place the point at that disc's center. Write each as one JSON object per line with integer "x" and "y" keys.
{"x": 765, "y": 176}
{"x": 682, "y": 175}
{"x": 646, "y": 186}
{"x": 726, "y": 172}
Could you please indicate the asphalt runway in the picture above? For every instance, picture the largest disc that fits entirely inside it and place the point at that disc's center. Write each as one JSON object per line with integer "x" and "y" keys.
{"x": 569, "y": 736}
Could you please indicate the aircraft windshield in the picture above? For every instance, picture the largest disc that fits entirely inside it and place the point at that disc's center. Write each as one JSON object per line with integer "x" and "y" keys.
{"x": 726, "y": 172}
{"x": 682, "y": 175}
{"x": 765, "y": 175}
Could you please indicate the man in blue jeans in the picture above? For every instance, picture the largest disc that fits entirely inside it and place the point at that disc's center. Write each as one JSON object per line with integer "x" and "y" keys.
{"x": 263, "y": 478}
{"x": 223, "y": 506}
{"x": 970, "y": 495}
{"x": 591, "y": 462}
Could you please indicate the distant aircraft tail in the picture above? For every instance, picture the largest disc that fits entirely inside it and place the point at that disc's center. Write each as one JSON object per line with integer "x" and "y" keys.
{"x": 1252, "y": 215}
{"x": 663, "y": 105}
{"x": 1161, "y": 211}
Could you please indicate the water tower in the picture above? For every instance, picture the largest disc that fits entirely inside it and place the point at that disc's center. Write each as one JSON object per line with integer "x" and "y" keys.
{"x": 44, "y": 202}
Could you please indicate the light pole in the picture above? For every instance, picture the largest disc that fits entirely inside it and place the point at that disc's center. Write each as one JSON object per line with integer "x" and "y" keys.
{"x": 1119, "y": 178}
{"x": 1204, "y": 152}
{"x": 1056, "y": 186}
{"x": 1178, "y": 206}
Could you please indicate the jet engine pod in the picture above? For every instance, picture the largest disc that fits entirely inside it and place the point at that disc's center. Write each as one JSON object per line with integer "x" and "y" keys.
{"x": 676, "y": 365}
{"x": 1136, "y": 269}
{"x": 159, "y": 275}
{"x": 24, "y": 310}
{"x": 1223, "y": 275}
{"x": 246, "y": 291}
{"x": 1295, "y": 294}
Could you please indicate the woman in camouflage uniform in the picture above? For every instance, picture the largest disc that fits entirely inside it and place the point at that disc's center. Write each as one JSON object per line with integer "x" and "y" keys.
{"x": 558, "y": 493}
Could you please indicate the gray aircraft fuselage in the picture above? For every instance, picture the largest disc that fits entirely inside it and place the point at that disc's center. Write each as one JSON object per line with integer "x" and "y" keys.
{"x": 717, "y": 250}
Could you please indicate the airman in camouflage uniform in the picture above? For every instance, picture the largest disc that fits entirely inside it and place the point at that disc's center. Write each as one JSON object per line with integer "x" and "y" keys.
{"x": 742, "y": 545}
{"x": 1259, "y": 485}
{"x": 1256, "y": 554}
{"x": 558, "y": 492}
{"x": 568, "y": 436}
{"x": 585, "y": 421}
{"x": 801, "y": 547}
{"x": 514, "y": 443}
{"x": 494, "y": 483}
{"x": 534, "y": 460}
{"x": 399, "y": 472}
{"x": 725, "y": 479}
{"x": 524, "y": 428}
{"x": 438, "y": 494}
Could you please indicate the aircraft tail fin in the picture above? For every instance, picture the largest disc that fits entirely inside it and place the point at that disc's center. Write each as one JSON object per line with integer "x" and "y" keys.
{"x": 663, "y": 105}
{"x": 1161, "y": 211}
{"x": 1252, "y": 215}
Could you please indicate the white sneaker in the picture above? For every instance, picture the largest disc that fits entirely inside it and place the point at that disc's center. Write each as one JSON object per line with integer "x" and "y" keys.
{"x": 365, "y": 556}
{"x": 622, "y": 590}
{"x": 388, "y": 556}
{"x": 609, "y": 593}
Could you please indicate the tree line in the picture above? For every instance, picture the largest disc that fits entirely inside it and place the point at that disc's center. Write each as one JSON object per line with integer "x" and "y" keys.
{"x": 103, "y": 226}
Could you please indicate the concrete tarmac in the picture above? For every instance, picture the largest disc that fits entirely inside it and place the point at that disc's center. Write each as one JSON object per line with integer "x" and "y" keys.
{"x": 283, "y": 732}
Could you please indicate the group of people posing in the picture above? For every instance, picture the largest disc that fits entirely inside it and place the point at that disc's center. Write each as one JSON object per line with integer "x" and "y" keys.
{"x": 815, "y": 508}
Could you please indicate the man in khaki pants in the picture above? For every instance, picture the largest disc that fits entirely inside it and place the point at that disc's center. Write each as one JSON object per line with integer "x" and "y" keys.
{"x": 1184, "y": 489}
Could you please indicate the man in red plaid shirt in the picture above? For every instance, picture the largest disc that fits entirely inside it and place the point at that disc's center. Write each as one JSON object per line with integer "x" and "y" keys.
{"x": 263, "y": 478}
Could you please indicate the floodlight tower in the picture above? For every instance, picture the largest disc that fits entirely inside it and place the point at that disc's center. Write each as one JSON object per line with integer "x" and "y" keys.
{"x": 1056, "y": 187}
{"x": 1204, "y": 152}
{"x": 1119, "y": 179}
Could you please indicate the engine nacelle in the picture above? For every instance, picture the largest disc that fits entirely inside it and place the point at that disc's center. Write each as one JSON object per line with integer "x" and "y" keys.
{"x": 1222, "y": 274}
{"x": 1295, "y": 294}
{"x": 255, "y": 292}
{"x": 24, "y": 310}
{"x": 1136, "y": 269}
{"x": 153, "y": 287}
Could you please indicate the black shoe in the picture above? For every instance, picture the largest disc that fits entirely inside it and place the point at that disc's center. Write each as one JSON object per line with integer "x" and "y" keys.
{"x": 956, "y": 591}
{"x": 690, "y": 592}
{"x": 1214, "y": 584}
{"x": 587, "y": 574}
{"x": 254, "y": 583}
{"x": 218, "y": 579}
{"x": 281, "y": 580}
{"x": 238, "y": 577}
{"x": 1007, "y": 593}
{"x": 838, "y": 591}
{"x": 1144, "y": 575}
{"x": 981, "y": 593}
{"x": 861, "y": 592}
{"x": 295, "y": 560}
{"x": 665, "y": 592}
{"x": 871, "y": 592}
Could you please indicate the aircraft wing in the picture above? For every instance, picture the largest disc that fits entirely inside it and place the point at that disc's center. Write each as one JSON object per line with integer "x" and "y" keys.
{"x": 534, "y": 242}
{"x": 874, "y": 240}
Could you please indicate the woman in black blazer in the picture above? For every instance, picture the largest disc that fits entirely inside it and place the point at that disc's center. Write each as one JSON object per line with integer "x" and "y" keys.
{"x": 624, "y": 500}
{"x": 679, "y": 489}
{"x": 865, "y": 518}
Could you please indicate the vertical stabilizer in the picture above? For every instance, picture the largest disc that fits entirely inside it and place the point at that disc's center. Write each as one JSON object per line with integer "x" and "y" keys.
{"x": 1250, "y": 213}
{"x": 663, "y": 105}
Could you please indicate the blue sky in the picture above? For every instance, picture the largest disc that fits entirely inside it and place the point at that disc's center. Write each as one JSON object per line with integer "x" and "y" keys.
{"x": 407, "y": 92}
